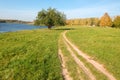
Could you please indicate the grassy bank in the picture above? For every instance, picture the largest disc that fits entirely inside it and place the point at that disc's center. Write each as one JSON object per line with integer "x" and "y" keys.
{"x": 101, "y": 43}
{"x": 33, "y": 54}
{"x": 30, "y": 55}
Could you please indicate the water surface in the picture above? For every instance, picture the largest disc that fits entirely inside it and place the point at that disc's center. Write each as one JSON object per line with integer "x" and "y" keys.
{"x": 10, "y": 27}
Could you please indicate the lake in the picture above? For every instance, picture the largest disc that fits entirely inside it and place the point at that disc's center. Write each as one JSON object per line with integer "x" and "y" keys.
{"x": 10, "y": 27}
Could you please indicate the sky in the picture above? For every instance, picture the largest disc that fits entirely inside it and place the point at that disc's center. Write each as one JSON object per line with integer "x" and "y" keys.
{"x": 27, "y": 10}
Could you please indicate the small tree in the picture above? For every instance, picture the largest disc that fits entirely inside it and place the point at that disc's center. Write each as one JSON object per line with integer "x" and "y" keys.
{"x": 117, "y": 22}
{"x": 50, "y": 17}
{"x": 105, "y": 21}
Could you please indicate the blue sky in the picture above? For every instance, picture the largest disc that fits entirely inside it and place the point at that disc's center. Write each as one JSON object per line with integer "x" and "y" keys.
{"x": 27, "y": 9}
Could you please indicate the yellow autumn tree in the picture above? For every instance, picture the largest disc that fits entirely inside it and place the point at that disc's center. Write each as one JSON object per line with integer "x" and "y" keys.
{"x": 105, "y": 21}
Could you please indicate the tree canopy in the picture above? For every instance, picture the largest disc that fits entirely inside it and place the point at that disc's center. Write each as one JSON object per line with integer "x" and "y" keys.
{"x": 50, "y": 17}
{"x": 105, "y": 21}
{"x": 117, "y": 22}
{"x": 83, "y": 21}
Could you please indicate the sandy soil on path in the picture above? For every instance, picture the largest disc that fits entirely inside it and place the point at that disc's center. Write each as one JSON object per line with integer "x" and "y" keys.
{"x": 96, "y": 64}
{"x": 80, "y": 63}
{"x": 65, "y": 72}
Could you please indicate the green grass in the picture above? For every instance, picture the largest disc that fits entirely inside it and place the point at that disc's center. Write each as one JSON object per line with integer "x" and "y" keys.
{"x": 74, "y": 71}
{"x": 33, "y": 54}
{"x": 98, "y": 75}
{"x": 30, "y": 55}
{"x": 103, "y": 44}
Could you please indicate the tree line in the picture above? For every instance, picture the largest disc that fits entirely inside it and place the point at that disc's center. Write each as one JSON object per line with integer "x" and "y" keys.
{"x": 83, "y": 21}
{"x": 51, "y": 17}
{"x": 104, "y": 21}
{"x": 14, "y": 21}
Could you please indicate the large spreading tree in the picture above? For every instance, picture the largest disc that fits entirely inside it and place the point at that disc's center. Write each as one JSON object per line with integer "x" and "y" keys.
{"x": 50, "y": 17}
{"x": 105, "y": 21}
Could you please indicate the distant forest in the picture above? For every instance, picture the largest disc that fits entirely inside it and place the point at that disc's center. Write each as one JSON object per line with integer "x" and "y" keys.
{"x": 14, "y": 21}
{"x": 104, "y": 21}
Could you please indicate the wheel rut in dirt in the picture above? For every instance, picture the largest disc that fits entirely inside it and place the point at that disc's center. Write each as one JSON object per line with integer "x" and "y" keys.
{"x": 96, "y": 64}
{"x": 65, "y": 72}
{"x": 80, "y": 63}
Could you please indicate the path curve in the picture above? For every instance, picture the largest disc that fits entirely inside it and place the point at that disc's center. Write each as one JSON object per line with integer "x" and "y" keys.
{"x": 96, "y": 64}
{"x": 65, "y": 72}
{"x": 80, "y": 63}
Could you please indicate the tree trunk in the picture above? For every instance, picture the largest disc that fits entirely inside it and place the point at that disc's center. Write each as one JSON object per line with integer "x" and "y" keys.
{"x": 49, "y": 27}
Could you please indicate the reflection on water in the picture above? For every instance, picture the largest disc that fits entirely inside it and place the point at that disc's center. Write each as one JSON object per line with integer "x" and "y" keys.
{"x": 8, "y": 27}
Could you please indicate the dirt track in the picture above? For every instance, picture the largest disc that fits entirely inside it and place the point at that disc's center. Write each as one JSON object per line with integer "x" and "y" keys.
{"x": 89, "y": 59}
{"x": 64, "y": 69}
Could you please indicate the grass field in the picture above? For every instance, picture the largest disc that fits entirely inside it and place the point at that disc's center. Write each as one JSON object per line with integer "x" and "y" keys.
{"x": 30, "y": 55}
{"x": 74, "y": 71}
{"x": 33, "y": 54}
{"x": 101, "y": 43}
